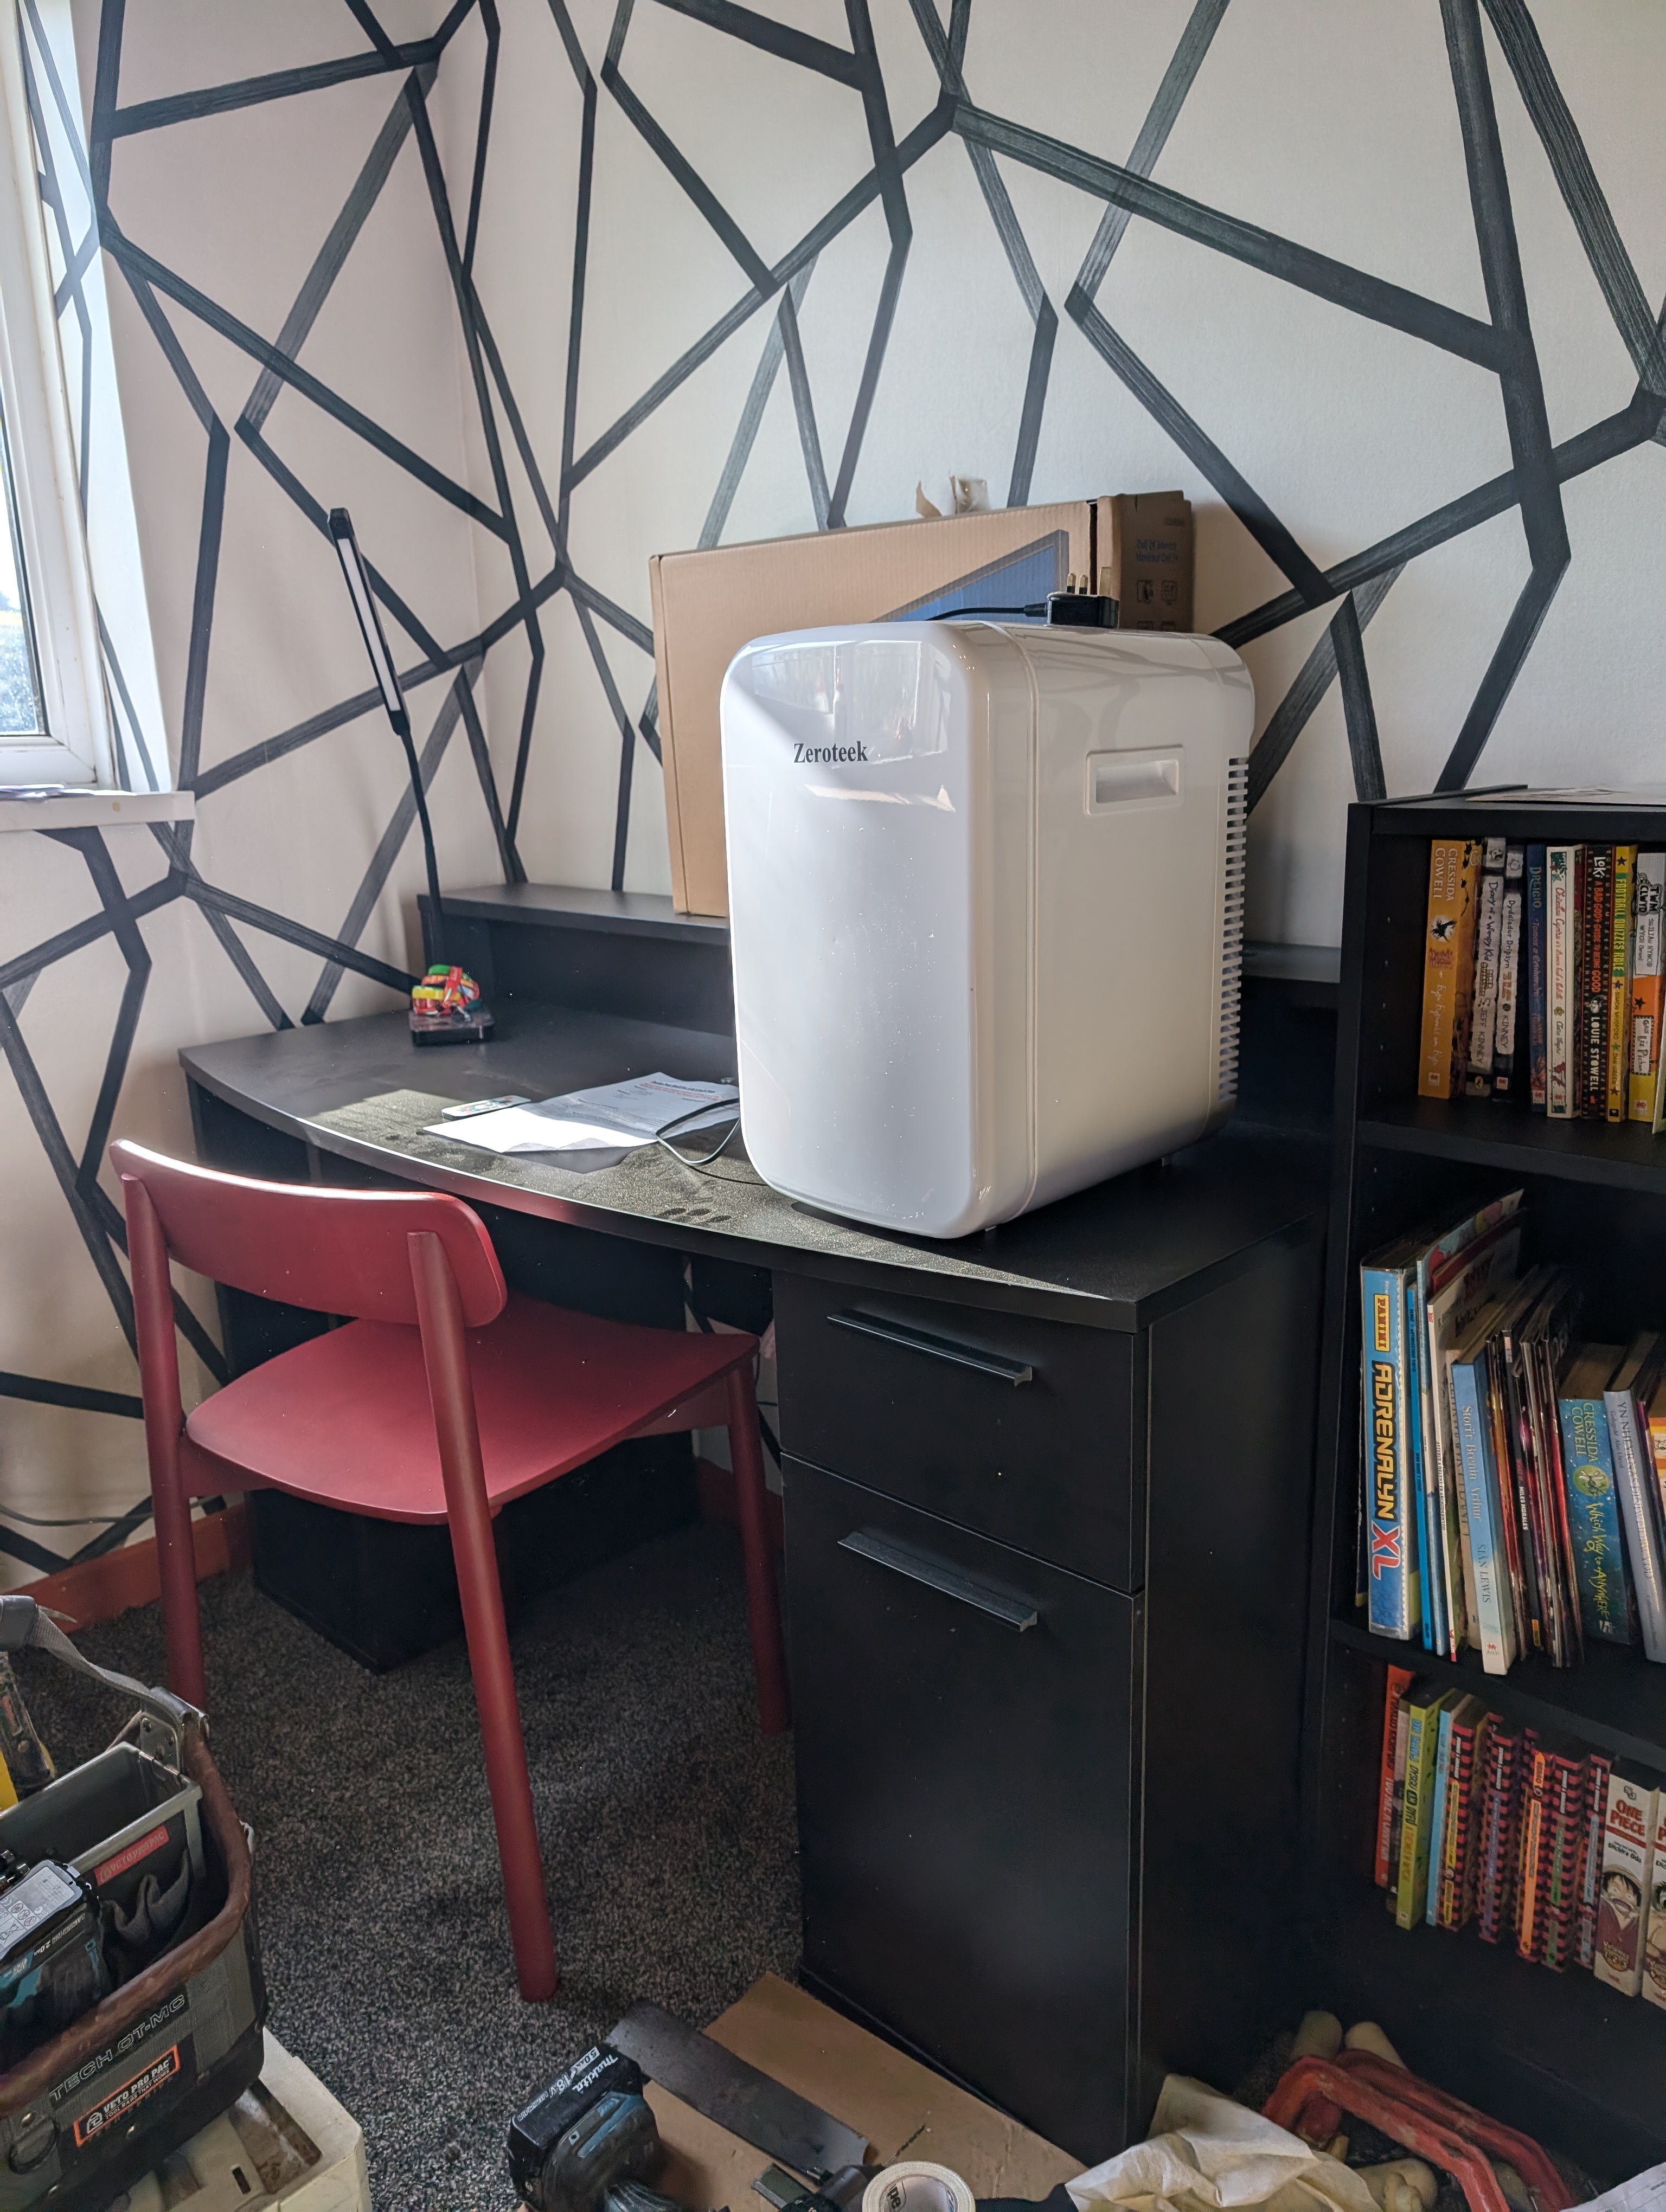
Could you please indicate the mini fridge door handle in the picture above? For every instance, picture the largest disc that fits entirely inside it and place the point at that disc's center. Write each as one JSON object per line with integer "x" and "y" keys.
{"x": 1014, "y": 1371}
{"x": 1007, "y": 1606}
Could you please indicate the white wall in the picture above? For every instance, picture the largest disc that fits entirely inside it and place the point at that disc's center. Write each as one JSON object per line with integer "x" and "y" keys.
{"x": 1330, "y": 123}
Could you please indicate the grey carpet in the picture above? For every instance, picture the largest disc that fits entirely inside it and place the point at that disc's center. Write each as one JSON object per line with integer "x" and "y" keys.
{"x": 667, "y": 1819}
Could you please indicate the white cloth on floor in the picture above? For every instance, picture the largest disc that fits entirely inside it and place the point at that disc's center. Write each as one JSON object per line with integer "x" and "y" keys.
{"x": 1205, "y": 2153}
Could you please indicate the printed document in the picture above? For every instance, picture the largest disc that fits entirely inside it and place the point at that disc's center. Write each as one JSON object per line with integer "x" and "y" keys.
{"x": 614, "y": 1117}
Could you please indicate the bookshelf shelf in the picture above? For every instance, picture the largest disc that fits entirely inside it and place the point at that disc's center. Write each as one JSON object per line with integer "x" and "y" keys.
{"x": 1557, "y": 2055}
{"x": 1614, "y": 1701}
{"x": 1595, "y": 2061}
{"x": 1626, "y": 1158}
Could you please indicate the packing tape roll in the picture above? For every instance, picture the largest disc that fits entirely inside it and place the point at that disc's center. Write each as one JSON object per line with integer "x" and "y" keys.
{"x": 916, "y": 2185}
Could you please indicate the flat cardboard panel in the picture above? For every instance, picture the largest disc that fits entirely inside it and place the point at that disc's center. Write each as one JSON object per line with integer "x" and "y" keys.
{"x": 708, "y": 605}
{"x": 900, "y": 2104}
{"x": 1151, "y": 559}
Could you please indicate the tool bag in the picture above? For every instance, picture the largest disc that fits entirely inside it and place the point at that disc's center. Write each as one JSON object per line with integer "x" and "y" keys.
{"x": 147, "y": 1869}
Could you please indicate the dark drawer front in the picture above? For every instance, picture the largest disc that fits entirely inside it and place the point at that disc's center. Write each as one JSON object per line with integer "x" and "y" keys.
{"x": 962, "y": 1719}
{"x": 1024, "y": 1430}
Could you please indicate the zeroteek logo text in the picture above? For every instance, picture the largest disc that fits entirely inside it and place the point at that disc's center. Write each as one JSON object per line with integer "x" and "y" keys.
{"x": 822, "y": 755}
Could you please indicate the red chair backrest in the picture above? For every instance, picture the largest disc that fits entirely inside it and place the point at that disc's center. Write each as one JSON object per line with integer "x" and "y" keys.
{"x": 334, "y": 1251}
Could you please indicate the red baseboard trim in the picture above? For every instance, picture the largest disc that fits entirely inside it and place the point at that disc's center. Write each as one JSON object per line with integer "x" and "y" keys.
{"x": 98, "y": 1589}
{"x": 715, "y": 1488}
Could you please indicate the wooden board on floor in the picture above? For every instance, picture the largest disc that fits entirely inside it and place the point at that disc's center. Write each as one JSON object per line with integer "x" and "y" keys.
{"x": 905, "y": 2109}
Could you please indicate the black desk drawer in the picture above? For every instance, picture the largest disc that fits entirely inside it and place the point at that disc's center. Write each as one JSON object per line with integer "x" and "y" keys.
{"x": 963, "y": 1799}
{"x": 1024, "y": 1429}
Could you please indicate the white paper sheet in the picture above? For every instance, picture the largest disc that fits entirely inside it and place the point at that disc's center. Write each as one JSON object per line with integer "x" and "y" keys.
{"x": 612, "y": 1117}
{"x": 1644, "y": 2192}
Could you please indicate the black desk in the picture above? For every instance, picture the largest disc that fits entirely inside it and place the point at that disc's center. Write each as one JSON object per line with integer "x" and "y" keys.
{"x": 1047, "y": 1497}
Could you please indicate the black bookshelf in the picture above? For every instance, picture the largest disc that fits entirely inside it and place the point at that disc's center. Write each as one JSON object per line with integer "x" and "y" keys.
{"x": 1559, "y": 2055}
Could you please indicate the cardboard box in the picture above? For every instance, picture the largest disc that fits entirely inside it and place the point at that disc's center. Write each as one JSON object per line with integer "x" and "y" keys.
{"x": 1151, "y": 559}
{"x": 901, "y": 2107}
{"x": 708, "y": 605}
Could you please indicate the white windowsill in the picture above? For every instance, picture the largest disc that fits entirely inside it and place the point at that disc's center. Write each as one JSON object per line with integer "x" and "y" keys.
{"x": 97, "y": 810}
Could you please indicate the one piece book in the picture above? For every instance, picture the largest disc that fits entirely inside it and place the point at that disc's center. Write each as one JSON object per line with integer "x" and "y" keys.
{"x": 1400, "y": 1680}
{"x": 1448, "y": 966}
{"x": 1592, "y": 1101}
{"x": 1423, "y": 1710}
{"x": 1450, "y": 1846}
{"x": 1461, "y": 1279}
{"x": 1534, "y": 931}
{"x": 1495, "y": 1866}
{"x": 1489, "y": 943}
{"x": 1648, "y": 904}
{"x": 1507, "y": 1058}
{"x": 1633, "y": 1480}
{"x": 1468, "y": 1372}
{"x": 1598, "y": 1767}
{"x": 1654, "y": 1936}
{"x": 1563, "y": 926}
{"x": 1393, "y": 1599}
{"x": 1606, "y": 1609}
{"x": 1627, "y": 1883}
{"x": 1619, "y": 981}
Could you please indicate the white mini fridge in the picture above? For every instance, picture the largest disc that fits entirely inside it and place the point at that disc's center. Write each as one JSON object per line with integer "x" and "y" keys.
{"x": 986, "y": 907}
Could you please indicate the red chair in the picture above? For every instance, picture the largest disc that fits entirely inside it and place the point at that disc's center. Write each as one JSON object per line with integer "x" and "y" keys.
{"x": 443, "y": 1397}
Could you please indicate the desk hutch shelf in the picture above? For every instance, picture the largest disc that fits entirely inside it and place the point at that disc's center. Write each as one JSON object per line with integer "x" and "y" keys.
{"x": 1558, "y": 2054}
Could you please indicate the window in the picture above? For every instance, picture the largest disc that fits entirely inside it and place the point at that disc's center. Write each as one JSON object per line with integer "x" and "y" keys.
{"x": 56, "y": 725}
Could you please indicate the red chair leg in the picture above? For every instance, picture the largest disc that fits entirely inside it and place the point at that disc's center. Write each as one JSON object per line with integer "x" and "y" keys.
{"x": 762, "y": 1604}
{"x": 446, "y": 1355}
{"x": 164, "y": 1417}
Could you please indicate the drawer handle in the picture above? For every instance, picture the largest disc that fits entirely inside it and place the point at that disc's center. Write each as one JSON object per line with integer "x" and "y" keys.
{"x": 1004, "y": 1605}
{"x": 936, "y": 1347}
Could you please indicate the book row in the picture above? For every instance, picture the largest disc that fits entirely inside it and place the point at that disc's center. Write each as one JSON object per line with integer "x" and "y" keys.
{"x": 1556, "y": 1849}
{"x": 1513, "y": 1477}
{"x": 1542, "y": 978}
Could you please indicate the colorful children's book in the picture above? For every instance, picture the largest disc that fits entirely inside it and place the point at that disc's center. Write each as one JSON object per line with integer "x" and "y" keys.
{"x": 1469, "y": 1381}
{"x": 1489, "y": 946}
{"x": 1423, "y": 1710}
{"x": 1388, "y": 1863}
{"x": 1563, "y": 925}
{"x": 1592, "y": 1088}
{"x": 1598, "y": 1765}
{"x": 1648, "y": 905}
{"x": 1448, "y": 1854}
{"x": 1606, "y": 1609}
{"x": 1495, "y": 1864}
{"x": 1394, "y": 1599}
{"x": 1627, "y": 1401}
{"x": 1619, "y": 981}
{"x": 1654, "y": 1938}
{"x": 1533, "y": 932}
{"x": 1448, "y": 966}
{"x": 1508, "y": 1058}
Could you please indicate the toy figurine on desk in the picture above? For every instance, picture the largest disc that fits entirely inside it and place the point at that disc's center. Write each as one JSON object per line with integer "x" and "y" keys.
{"x": 445, "y": 1006}
{"x": 445, "y": 1009}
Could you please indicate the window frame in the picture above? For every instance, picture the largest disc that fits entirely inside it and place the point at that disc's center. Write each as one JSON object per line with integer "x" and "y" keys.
{"x": 58, "y": 583}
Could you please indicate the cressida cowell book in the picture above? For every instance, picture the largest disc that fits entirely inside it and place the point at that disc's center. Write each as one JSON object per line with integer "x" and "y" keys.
{"x": 1448, "y": 966}
{"x": 1607, "y": 1608}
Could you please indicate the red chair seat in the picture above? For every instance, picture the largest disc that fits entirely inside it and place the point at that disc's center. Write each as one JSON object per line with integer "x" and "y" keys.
{"x": 345, "y": 1418}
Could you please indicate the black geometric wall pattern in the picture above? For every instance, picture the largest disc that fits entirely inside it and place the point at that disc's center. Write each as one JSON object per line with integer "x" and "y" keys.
{"x": 519, "y": 499}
